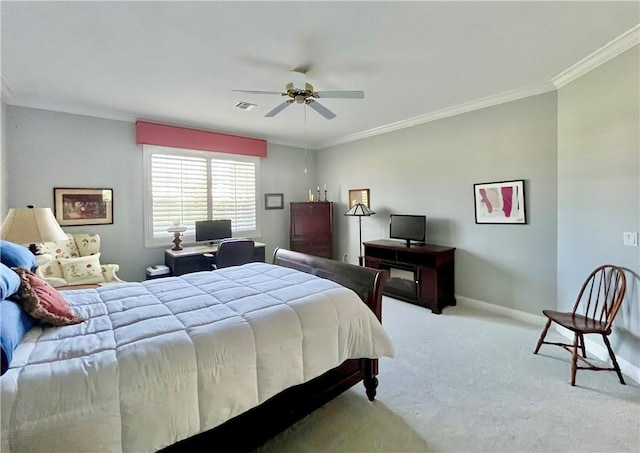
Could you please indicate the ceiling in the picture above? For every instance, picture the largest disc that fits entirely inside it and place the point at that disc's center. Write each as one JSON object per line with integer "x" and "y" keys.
{"x": 178, "y": 62}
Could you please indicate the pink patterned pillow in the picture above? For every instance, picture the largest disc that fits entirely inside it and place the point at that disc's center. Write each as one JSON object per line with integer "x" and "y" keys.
{"x": 43, "y": 301}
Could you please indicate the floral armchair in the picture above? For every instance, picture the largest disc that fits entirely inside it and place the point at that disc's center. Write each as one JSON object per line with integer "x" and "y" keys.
{"x": 75, "y": 261}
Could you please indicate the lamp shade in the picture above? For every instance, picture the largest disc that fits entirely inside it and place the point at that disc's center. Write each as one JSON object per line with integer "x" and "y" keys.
{"x": 177, "y": 227}
{"x": 31, "y": 225}
{"x": 360, "y": 210}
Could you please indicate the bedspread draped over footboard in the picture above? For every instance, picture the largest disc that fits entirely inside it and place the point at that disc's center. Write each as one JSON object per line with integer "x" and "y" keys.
{"x": 159, "y": 361}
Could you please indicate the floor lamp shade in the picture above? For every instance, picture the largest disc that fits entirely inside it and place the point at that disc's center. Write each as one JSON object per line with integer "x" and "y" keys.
{"x": 31, "y": 225}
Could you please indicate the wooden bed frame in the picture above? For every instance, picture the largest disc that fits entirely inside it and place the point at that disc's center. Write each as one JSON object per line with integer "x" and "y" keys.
{"x": 252, "y": 428}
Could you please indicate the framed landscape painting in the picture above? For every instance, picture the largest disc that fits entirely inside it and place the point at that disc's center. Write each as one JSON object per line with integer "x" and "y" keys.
{"x": 83, "y": 206}
{"x": 500, "y": 202}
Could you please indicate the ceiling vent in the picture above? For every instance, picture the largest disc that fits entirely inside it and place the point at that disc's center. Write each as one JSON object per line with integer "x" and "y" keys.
{"x": 244, "y": 105}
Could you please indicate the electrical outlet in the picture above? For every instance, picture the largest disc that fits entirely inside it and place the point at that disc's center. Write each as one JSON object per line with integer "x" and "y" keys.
{"x": 630, "y": 238}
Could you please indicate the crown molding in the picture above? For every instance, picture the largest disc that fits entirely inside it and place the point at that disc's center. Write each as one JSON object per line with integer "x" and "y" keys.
{"x": 607, "y": 52}
{"x": 478, "y": 104}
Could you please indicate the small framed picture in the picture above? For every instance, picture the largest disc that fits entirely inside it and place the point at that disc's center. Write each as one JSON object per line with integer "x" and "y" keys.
{"x": 273, "y": 201}
{"x": 500, "y": 202}
{"x": 359, "y": 196}
{"x": 83, "y": 206}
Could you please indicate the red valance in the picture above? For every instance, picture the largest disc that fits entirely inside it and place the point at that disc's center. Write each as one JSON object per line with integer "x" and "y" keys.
{"x": 182, "y": 137}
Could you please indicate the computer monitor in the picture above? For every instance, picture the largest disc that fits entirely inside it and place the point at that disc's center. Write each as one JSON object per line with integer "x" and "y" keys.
{"x": 212, "y": 230}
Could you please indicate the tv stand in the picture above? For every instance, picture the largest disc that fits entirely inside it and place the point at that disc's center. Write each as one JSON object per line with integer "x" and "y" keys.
{"x": 432, "y": 267}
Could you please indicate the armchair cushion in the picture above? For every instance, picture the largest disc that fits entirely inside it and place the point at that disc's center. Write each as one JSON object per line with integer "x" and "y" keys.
{"x": 62, "y": 272}
{"x": 82, "y": 270}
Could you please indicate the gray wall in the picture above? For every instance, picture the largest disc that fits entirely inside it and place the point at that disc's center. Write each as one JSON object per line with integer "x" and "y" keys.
{"x": 49, "y": 149}
{"x": 599, "y": 186}
{"x": 430, "y": 169}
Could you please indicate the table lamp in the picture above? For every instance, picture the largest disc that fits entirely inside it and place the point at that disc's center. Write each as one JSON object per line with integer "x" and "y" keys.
{"x": 30, "y": 226}
{"x": 360, "y": 210}
{"x": 177, "y": 229}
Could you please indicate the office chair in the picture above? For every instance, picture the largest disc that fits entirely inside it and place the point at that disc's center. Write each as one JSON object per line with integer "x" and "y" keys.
{"x": 595, "y": 309}
{"x": 233, "y": 252}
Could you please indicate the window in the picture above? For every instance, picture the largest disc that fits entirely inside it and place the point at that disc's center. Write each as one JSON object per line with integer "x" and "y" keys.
{"x": 187, "y": 185}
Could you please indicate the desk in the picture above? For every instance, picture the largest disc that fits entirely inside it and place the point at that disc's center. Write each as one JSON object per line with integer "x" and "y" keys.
{"x": 431, "y": 266}
{"x": 191, "y": 259}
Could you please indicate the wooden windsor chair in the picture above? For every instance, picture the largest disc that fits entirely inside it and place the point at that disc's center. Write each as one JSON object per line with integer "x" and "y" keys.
{"x": 595, "y": 309}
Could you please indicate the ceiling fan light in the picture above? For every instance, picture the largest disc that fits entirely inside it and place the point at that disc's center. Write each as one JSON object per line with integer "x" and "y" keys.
{"x": 300, "y": 99}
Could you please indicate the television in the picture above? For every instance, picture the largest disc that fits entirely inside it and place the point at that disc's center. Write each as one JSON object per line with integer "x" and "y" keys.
{"x": 408, "y": 227}
{"x": 212, "y": 230}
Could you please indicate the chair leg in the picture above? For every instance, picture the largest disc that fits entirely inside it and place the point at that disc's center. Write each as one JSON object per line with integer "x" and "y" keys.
{"x": 613, "y": 359}
{"x": 574, "y": 363}
{"x": 584, "y": 351}
{"x": 542, "y": 335}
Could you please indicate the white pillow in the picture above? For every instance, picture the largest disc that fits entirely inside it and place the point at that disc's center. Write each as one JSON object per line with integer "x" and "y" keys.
{"x": 82, "y": 270}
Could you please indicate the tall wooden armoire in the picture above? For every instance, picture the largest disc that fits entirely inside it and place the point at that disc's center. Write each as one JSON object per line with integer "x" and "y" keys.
{"x": 311, "y": 228}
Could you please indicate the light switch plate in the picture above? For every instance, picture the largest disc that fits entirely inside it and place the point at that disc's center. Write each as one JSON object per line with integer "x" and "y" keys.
{"x": 630, "y": 238}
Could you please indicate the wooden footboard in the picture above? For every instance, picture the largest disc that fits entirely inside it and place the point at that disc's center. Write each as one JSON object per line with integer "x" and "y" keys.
{"x": 252, "y": 428}
{"x": 367, "y": 283}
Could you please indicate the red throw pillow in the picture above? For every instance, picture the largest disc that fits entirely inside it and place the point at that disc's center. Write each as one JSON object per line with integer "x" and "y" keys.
{"x": 43, "y": 301}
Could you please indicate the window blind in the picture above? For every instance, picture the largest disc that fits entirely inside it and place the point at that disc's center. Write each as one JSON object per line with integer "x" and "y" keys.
{"x": 187, "y": 186}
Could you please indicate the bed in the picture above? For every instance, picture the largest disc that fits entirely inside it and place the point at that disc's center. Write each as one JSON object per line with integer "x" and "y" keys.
{"x": 229, "y": 357}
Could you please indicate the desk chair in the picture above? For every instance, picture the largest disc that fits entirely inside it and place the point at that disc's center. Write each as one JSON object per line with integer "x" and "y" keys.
{"x": 594, "y": 311}
{"x": 234, "y": 252}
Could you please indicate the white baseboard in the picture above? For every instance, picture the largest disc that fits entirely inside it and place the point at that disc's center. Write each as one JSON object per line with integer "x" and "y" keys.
{"x": 598, "y": 350}
{"x": 529, "y": 318}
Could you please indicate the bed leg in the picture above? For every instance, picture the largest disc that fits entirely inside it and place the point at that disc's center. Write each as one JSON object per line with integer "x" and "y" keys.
{"x": 371, "y": 384}
{"x": 370, "y": 368}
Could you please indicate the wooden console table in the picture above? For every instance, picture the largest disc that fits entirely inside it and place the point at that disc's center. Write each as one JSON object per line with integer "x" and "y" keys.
{"x": 432, "y": 266}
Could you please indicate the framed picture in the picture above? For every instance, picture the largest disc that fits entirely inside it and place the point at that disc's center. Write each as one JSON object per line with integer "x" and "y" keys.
{"x": 83, "y": 206}
{"x": 273, "y": 201}
{"x": 359, "y": 196}
{"x": 500, "y": 202}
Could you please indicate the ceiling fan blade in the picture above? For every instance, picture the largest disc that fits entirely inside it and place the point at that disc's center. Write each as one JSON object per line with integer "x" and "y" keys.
{"x": 341, "y": 94}
{"x": 279, "y": 108}
{"x": 321, "y": 109}
{"x": 278, "y": 93}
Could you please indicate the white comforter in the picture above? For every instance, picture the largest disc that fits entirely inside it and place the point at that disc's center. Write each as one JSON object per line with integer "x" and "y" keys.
{"x": 159, "y": 361}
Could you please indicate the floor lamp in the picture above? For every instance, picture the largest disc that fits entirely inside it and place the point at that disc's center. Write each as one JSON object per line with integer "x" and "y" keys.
{"x": 360, "y": 210}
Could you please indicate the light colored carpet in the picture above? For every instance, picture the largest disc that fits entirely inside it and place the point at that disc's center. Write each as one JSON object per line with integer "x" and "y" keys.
{"x": 467, "y": 381}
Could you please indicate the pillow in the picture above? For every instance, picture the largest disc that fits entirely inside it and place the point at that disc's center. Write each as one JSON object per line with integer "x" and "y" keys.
{"x": 15, "y": 255}
{"x": 9, "y": 282}
{"x": 43, "y": 301}
{"x": 83, "y": 270}
{"x": 14, "y": 324}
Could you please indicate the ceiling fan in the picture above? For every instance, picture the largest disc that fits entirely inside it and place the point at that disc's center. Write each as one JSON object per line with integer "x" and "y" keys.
{"x": 306, "y": 95}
